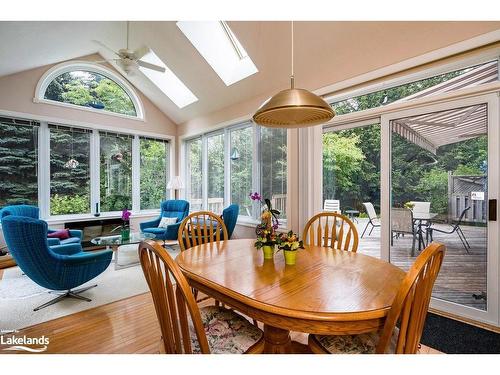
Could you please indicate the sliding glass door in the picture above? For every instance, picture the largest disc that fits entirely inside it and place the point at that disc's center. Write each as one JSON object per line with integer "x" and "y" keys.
{"x": 441, "y": 170}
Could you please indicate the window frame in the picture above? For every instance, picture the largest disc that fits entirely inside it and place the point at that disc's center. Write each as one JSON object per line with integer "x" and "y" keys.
{"x": 70, "y": 66}
{"x": 43, "y": 170}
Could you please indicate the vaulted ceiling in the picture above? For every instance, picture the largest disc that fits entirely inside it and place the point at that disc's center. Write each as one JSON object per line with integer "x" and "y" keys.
{"x": 325, "y": 53}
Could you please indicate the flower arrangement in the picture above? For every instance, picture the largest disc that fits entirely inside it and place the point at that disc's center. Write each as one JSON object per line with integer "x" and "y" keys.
{"x": 290, "y": 242}
{"x": 266, "y": 230}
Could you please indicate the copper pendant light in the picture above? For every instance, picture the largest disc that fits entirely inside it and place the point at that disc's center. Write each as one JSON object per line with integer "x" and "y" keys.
{"x": 293, "y": 108}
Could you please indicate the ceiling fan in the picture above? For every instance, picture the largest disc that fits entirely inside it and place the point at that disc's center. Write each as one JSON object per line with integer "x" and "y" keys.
{"x": 130, "y": 60}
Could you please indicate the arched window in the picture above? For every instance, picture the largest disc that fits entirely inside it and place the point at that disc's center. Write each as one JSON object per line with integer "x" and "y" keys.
{"x": 88, "y": 86}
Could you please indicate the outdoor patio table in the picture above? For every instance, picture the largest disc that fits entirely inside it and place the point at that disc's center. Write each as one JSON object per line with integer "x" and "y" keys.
{"x": 326, "y": 292}
{"x": 419, "y": 218}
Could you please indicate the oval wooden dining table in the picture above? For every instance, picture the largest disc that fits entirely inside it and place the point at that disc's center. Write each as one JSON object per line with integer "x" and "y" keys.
{"x": 326, "y": 292}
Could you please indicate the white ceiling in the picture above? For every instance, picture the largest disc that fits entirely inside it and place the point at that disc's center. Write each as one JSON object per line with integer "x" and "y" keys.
{"x": 326, "y": 52}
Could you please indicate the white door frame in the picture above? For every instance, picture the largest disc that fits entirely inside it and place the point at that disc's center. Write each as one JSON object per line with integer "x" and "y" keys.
{"x": 492, "y": 314}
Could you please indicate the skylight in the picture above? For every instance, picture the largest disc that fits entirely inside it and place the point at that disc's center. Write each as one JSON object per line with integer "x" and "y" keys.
{"x": 168, "y": 82}
{"x": 215, "y": 41}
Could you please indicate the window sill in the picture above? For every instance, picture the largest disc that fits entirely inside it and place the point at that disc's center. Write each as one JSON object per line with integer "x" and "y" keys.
{"x": 105, "y": 215}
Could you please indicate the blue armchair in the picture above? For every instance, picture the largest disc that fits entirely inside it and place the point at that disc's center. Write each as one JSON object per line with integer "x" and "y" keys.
{"x": 230, "y": 216}
{"x": 33, "y": 212}
{"x": 170, "y": 208}
{"x": 58, "y": 268}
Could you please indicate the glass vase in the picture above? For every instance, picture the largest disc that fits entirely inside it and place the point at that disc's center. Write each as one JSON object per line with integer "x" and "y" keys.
{"x": 125, "y": 233}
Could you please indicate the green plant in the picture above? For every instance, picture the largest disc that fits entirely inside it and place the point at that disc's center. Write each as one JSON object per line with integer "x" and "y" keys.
{"x": 69, "y": 204}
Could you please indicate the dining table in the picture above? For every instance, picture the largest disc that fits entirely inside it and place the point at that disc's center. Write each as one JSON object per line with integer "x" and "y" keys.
{"x": 327, "y": 291}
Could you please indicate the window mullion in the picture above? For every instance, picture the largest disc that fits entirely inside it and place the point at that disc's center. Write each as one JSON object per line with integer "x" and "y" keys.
{"x": 227, "y": 168}
{"x": 136, "y": 174}
{"x": 95, "y": 158}
{"x": 204, "y": 172}
{"x": 256, "y": 165}
{"x": 44, "y": 170}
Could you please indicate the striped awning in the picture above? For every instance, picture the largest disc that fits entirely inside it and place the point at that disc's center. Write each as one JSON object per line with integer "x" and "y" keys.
{"x": 430, "y": 131}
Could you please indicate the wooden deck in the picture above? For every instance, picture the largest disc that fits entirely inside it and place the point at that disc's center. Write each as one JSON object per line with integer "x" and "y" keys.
{"x": 461, "y": 275}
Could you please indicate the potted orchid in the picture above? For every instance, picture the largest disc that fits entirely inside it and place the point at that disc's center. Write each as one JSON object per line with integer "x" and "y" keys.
{"x": 290, "y": 243}
{"x": 125, "y": 231}
{"x": 267, "y": 237}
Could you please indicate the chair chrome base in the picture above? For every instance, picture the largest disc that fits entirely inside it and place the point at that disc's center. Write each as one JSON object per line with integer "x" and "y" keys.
{"x": 75, "y": 293}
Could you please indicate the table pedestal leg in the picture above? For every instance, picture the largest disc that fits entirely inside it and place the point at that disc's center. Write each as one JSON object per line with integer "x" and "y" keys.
{"x": 277, "y": 340}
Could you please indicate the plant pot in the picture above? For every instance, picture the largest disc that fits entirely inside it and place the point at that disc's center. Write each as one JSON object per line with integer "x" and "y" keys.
{"x": 268, "y": 252}
{"x": 125, "y": 234}
{"x": 290, "y": 257}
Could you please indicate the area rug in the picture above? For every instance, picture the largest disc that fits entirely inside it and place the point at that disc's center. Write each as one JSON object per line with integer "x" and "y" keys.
{"x": 19, "y": 295}
{"x": 454, "y": 337}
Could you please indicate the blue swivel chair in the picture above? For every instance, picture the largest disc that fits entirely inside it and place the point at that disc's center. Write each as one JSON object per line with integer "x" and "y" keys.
{"x": 230, "y": 216}
{"x": 58, "y": 268}
{"x": 33, "y": 212}
{"x": 170, "y": 208}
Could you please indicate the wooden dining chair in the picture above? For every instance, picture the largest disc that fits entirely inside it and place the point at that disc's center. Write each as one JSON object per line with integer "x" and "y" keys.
{"x": 405, "y": 322}
{"x": 331, "y": 229}
{"x": 199, "y": 228}
{"x": 185, "y": 328}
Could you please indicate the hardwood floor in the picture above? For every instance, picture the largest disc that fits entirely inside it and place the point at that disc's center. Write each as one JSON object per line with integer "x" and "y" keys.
{"x": 125, "y": 326}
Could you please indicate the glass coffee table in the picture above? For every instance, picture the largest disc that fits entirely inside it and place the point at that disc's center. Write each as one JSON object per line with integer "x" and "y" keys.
{"x": 126, "y": 251}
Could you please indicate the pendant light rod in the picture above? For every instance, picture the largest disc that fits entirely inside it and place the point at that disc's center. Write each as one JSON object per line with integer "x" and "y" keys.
{"x": 127, "y": 32}
{"x": 292, "y": 83}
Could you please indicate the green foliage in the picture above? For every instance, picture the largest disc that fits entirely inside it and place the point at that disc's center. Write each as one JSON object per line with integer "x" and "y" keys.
{"x": 434, "y": 185}
{"x": 82, "y": 88}
{"x": 18, "y": 164}
{"x": 153, "y": 173}
{"x": 68, "y": 204}
{"x": 342, "y": 161}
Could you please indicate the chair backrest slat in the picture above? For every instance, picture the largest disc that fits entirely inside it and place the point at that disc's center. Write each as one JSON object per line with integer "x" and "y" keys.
{"x": 199, "y": 228}
{"x": 342, "y": 234}
{"x": 172, "y": 307}
{"x": 412, "y": 301}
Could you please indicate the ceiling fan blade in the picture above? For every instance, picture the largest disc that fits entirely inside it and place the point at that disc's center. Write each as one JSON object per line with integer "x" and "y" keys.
{"x": 140, "y": 52}
{"x": 106, "y": 47}
{"x": 147, "y": 65}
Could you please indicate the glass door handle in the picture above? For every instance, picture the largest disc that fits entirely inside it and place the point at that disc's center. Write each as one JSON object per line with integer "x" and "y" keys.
{"x": 492, "y": 210}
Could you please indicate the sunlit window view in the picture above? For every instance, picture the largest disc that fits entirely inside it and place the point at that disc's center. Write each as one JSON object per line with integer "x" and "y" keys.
{"x": 92, "y": 90}
{"x": 69, "y": 170}
{"x": 154, "y": 154}
{"x": 439, "y": 192}
{"x": 241, "y": 145}
{"x": 194, "y": 174}
{"x": 18, "y": 162}
{"x": 215, "y": 173}
{"x": 115, "y": 171}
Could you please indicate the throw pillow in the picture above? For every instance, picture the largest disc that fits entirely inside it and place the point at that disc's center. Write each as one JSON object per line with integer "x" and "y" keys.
{"x": 166, "y": 221}
{"x": 62, "y": 234}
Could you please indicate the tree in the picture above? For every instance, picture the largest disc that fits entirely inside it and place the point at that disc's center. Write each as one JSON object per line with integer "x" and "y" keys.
{"x": 342, "y": 161}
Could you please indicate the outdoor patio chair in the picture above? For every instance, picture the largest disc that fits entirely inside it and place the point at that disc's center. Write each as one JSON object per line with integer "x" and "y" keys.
{"x": 454, "y": 228}
{"x": 422, "y": 207}
{"x": 332, "y": 205}
{"x": 402, "y": 223}
{"x": 373, "y": 219}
